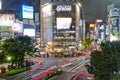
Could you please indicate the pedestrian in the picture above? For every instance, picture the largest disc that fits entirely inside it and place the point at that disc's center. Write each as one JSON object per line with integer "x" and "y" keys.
{"x": 3, "y": 70}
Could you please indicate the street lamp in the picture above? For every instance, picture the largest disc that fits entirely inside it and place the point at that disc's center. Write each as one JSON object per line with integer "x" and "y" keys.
{"x": 9, "y": 58}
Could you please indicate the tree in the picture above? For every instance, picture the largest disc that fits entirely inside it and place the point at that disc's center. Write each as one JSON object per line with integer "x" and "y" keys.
{"x": 17, "y": 47}
{"x": 106, "y": 61}
{"x": 2, "y": 56}
{"x": 86, "y": 43}
{"x": 7, "y": 49}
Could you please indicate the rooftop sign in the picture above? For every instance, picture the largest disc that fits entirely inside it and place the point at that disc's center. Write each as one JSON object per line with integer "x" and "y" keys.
{"x": 63, "y": 8}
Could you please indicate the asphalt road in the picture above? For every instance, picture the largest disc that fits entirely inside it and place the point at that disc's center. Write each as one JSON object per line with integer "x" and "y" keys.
{"x": 48, "y": 62}
{"x": 71, "y": 70}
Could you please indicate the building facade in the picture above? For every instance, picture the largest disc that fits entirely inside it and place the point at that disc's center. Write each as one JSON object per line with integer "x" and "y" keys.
{"x": 113, "y": 24}
{"x": 60, "y": 23}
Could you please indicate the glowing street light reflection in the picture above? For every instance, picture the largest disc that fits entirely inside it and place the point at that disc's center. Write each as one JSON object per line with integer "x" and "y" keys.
{"x": 9, "y": 58}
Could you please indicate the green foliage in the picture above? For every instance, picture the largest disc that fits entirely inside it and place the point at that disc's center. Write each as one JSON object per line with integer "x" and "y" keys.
{"x": 53, "y": 75}
{"x": 16, "y": 71}
{"x": 86, "y": 43}
{"x": 116, "y": 77}
{"x": 2, "y": 56}
{"x": 106, "y": 61}
{"x": 12, "y": 56}
{"x": 17, "y": 47}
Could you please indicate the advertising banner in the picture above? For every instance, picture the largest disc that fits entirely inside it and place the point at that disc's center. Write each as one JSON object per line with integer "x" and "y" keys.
{"x": 115, "y": 25}
{"x": 7, "y": 19}
{"x": 64, "y": 16}
{"x": 27, "y": 12}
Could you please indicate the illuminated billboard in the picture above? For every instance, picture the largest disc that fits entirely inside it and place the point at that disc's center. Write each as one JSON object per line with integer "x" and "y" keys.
{"x": 7, "y": 19}
{"x": 29, "y": 32}
{"x": 27, "y": 12}
{"x": 92, "y": 25}
{"x": 64, "y": 23}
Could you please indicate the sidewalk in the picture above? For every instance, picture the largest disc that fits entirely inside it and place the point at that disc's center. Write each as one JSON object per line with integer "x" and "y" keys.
{"x": 2, "y": 79}
{"x": 20, "y": 76}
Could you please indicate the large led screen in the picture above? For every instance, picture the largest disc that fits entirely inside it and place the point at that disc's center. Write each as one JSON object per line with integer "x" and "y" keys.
{"x": 64, "y": 23}
{"x": 27, "y": 12}
{"x": 29, "y": 32}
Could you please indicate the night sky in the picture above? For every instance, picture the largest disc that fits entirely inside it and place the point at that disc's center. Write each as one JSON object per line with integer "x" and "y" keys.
{"x": 93, "y": 9}
{"x": 97, "y": 9}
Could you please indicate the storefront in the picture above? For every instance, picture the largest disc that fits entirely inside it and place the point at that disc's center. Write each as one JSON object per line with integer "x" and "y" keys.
{"x": 9, "y": 26}
{"x": 6, "y": 26}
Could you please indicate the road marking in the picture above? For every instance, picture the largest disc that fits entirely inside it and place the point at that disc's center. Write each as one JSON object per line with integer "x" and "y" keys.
{"x": 81, "y": 63}
{"x": 79, "y": 66}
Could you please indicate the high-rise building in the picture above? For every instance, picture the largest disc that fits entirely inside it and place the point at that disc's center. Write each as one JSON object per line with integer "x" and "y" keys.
{"x": 60, "y": 23}
{"x": 113, "y": 23}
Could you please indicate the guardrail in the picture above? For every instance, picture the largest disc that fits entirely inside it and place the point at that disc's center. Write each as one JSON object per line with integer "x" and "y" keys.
{"x": 83, "y": 76}
{"x": 35, "y": 66}
{"x": 43, "y": 74}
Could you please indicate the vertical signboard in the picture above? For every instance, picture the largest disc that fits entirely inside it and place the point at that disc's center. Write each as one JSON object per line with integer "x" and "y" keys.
{"x": 114, "y": 21}
{"x": 27, "y": 12}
